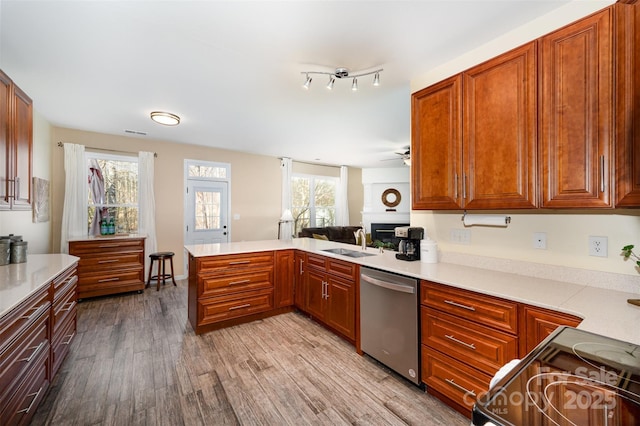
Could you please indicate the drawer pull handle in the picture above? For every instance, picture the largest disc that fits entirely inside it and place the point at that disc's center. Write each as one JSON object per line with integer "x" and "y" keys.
{"x": 460, "y": 342}
{"x": 246, "y": 305}
{"x": 70, "y": 306}
{"x": 108, "y": 245}
{"x": 35, "y": 398}
{"x": 36, "y": 349}
{"x": 301, "y": 262}
{"x": 462, "y": 388}
{"x": 240, "y": 262}
{"x": 32, "y": 314}
{"x": 71, "y": 336}
{"x": 460, "y": 305}
{"x": 105, "y": 280}
{"x": 239, "y": 282}
{"x": 108, "y": 261}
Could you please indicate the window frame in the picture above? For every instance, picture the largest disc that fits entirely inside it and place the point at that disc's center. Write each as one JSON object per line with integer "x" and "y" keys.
{"x": 312, "y": 198}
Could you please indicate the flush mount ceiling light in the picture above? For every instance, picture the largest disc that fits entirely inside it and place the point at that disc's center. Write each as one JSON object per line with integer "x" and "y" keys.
{"x": 342, "y": 73}
{"x": 165, "y": 118}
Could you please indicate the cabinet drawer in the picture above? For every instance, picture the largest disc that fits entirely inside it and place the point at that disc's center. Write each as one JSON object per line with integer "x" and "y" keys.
{"x": 452, "y": 378}
{"x": 107, "y": 279}
{"x": 62, "y": 341}
{"x": 19, "y": 319}
{"x": 22, "y": 355}
{"x": 109, "y": 261}
{"x": 343, "y": 269}
{"x": 216, "y": 285}
{"x": 476, "y": 345}
{"x": 63, "y": 308}
{"x": 485, "y": 310}
{"x": 78, "y": 248}
{"x": 215, "y": 309}
{"x": 317, "y": 261}
{"x": 20, "y": 408}
{"x": 235, "y": 261}
{"x": 64, "y": 280}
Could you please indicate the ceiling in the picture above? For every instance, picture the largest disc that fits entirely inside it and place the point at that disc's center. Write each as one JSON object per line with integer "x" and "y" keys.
{"x": 232, "y": 69}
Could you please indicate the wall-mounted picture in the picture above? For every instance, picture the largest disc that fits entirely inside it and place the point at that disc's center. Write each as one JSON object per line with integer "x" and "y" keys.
{"x": 40, "y": 200}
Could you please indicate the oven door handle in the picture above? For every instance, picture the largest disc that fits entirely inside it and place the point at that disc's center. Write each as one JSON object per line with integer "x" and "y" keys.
{"x": 388, "y": 285}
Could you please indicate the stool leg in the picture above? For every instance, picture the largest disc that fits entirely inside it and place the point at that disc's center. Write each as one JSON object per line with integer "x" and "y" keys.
{"x": 149, "y": 277}
{"x": 160, "y": 263}
{"x": 172, "y": 276}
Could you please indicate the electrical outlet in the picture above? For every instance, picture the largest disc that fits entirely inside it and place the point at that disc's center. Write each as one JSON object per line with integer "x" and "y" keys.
{"x": 598, "y": 246}
{"x": 460, "y": 236}
{"x": 540, "y": 240}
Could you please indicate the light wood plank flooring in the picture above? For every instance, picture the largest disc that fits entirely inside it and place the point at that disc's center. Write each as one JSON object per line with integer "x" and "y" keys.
{"x": 136, "y": 360}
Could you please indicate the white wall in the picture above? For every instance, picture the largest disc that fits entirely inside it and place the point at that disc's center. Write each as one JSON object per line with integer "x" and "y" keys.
{"x": 377, "y": 180}
{"x": 37, "y": 235}
{"x": 567, "y": 231}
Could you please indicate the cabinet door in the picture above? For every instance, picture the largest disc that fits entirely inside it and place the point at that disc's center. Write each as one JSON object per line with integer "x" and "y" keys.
{"x": 499, "y": 134}
{"x": 5, "y": 154}
{"x": 341, "y": 314}
{"x": 315, "y": 291}
{"x": 627, "y": 95}
{"x": 22, "y": 147}
{"x": 539, "y": 323}
{"x": 283, "y": 292}
{"x": 436, "y": 146}
{"x": 576, "y": 113}
{"x": 298, "y": 274}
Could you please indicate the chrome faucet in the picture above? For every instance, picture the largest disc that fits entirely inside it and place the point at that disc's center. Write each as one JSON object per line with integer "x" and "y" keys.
{"x": 363, "y": 238}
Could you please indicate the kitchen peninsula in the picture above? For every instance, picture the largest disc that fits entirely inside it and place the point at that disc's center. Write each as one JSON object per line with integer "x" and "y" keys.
{"x": 473, "y": 320}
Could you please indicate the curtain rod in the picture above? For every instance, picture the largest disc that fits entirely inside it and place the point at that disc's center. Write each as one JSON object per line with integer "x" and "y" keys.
{"x": 155, "y": 154}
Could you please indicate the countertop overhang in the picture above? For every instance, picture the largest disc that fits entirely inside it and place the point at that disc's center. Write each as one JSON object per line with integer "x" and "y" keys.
{"x": 604, "y": 311}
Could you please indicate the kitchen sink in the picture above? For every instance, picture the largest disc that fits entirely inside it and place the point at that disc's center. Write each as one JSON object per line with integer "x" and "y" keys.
{"x": 347, "y": 252}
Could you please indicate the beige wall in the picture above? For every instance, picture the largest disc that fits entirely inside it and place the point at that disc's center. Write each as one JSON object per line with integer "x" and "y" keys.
{"x": 567, "y": 231}
{"x": 255, "y": 186}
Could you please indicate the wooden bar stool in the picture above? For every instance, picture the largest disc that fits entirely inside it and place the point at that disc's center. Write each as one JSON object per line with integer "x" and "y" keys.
{"x": 161, "y": 257}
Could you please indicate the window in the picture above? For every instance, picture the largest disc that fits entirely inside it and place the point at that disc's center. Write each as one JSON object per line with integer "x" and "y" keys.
{"x": 113, "y": 192}
{"x": 313, "y": 201}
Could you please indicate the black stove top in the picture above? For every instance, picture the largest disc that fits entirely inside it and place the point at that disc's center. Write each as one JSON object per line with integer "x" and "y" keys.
{"x": 572, "y": 378}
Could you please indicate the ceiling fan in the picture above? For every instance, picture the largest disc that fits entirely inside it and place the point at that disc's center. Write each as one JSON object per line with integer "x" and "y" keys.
{"x": 405, "y": 155}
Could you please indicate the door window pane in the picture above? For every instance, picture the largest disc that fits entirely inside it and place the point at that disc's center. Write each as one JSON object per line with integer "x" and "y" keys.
{"x": 207, "y": 171}
{"x": 207, "y": 210}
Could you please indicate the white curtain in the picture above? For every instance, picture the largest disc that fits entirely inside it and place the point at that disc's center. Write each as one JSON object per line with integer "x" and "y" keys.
{"x": 74, "y": 211}
{"x": 147, "y": 202}
{"x": 286, "y": 219}
{"x": 342, "y": 198}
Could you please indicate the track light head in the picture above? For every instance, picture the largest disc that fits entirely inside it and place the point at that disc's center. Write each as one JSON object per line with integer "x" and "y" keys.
{"x": 307, "y": 82}
{"x": 376, "y": 79}
{"x": 332, "y": 81}
{"x": 354, "y": 85}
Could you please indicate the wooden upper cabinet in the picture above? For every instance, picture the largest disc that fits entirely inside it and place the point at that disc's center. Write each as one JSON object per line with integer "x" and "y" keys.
{"x": 16, "y": 145}
{"x": 436, "y": 145}
{"x": 627, "y": 105}
{"x": 474, "y": 139}
{"x": 499, "y": 133}
{"x": 576, "y": 113}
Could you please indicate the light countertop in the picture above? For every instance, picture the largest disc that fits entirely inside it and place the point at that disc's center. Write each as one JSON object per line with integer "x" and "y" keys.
{"x": 18, "y": 281}
{"x": 603, "y": 311}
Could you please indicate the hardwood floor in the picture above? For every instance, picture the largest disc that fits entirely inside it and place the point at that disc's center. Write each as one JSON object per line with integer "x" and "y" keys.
{"x": 136, "y": 360}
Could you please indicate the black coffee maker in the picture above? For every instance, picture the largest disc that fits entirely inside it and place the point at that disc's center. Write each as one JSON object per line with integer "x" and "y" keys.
{"x": 409, "y": 246}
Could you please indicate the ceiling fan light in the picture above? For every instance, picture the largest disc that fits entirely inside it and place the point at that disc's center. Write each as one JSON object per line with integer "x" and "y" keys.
{"x": 165, "y": 118}
{"x": 407, "y": 161}
{"x": 354, "y": 85}
{"x": 332, "y": 81}
{"x": 376, "y": 79}
{"x": 307, "y": 82}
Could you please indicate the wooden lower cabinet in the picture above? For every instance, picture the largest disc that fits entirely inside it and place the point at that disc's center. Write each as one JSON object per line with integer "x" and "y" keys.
{"x": 329, "y": 291}
{"x": 230, "y": 289}
{"x": 467, "y": 336}
{"x": 34, "y": 340}
{"x": 109, "y": 265}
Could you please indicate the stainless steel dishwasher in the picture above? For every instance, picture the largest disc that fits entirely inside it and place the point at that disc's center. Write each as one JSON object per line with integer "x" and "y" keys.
{"x": 389, "y": 321}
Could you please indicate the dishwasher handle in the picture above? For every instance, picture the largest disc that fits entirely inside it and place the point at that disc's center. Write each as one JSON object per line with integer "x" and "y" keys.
{"x": 386, "y": 284}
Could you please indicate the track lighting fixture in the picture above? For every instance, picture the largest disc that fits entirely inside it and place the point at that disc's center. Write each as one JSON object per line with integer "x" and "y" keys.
{"x": 341, "y": 73}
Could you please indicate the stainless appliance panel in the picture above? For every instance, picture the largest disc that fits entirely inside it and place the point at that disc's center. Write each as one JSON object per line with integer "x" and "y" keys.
{"x": 389, "y": 321}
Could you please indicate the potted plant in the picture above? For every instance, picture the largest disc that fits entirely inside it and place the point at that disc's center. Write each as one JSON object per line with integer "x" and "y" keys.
{"x": 627, "y": 252}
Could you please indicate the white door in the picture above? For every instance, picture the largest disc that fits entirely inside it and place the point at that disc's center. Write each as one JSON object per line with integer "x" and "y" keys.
{"x": 206, "y": 212}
